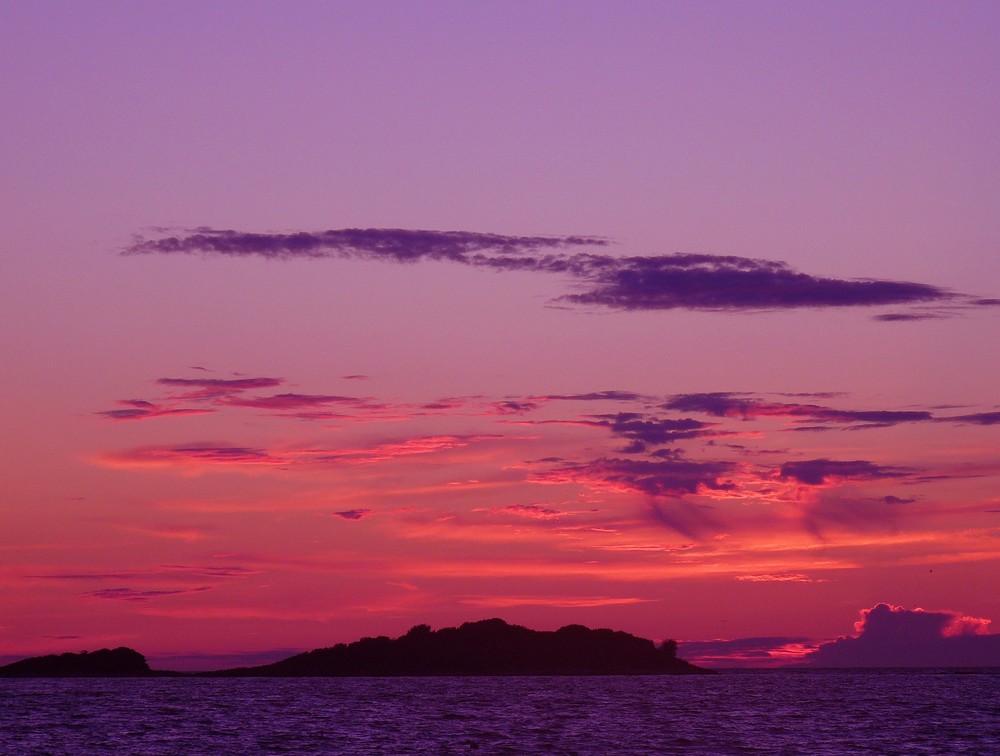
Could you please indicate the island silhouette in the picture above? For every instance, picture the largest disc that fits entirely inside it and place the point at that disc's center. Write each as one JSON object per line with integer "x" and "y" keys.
{"x": 485, "y": 648}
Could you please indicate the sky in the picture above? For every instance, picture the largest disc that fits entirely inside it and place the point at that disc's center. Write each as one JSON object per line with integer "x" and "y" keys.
{"x": 322, "y": 320}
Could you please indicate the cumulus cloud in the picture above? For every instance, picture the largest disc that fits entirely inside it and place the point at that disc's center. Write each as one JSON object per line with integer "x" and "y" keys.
{"x": 652, "y": 282}
{"x": 892, "y": 636}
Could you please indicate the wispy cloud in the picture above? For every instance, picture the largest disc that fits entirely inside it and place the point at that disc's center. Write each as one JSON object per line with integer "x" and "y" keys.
{"x": 211, "y": 454}
{"x": 133, "y": 596}
{"x": 654, "y": 282}
{"x": 171, "y": 572}
{"x": 397, "y": 244}
{"x": 139, "y": 409}
{"x": 977, "y": 418}
{"x": 203, "y": 388}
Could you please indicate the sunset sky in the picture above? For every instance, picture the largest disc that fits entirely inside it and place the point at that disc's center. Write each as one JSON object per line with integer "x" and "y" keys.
{"x": 322, "y": 320}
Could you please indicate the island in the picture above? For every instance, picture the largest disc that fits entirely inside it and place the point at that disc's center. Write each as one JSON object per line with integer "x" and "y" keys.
{"x": 118, "y": 662}
{"x": 486, "y": 648}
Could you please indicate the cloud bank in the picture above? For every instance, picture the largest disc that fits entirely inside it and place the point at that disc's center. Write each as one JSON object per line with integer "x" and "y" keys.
{"x": 652, "y": 282}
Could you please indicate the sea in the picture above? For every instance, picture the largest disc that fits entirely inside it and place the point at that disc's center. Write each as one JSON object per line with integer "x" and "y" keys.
{"x": 739, "y": 712}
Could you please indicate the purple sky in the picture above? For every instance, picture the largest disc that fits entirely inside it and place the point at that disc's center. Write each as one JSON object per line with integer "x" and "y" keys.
{"x": 323, "y": 320}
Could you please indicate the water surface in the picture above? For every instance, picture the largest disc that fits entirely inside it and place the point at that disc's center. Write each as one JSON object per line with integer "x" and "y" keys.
{"x": 773, "y": 712}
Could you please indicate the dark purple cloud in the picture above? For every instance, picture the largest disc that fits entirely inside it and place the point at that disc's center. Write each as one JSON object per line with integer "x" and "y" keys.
{"x": 816, "y": 472}
{"x": 707, "y": 282}
{"x": 746, "y": 407}
{"x": 210, "y": 388}
{"x": 656, "y": 282}
{"x": 353, "y": 514}
{"x": 891, "y": 636}
{"x": 223, "y": 384}
{"x": 666, "y": 477}
{"x": 645, "y": 431}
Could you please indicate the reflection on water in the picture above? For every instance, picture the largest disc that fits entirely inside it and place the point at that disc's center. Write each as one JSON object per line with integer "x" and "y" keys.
{"x": 746, "y": 712}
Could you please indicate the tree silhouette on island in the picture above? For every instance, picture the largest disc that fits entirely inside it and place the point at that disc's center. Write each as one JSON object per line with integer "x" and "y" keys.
{"x": 489, "y": 648}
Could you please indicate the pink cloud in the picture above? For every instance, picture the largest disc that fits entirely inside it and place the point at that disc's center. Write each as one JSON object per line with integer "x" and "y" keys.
{"x": 173, "y": 532}
{"x": 747, "y": 653}
{"x": 532, "y": 511}
{"x": 779, "y": 577}
{"x": 563, "y": 602}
